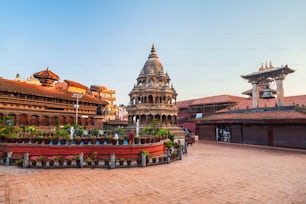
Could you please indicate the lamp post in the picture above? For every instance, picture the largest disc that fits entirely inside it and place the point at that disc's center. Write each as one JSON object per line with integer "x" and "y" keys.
{"x": 77, "y": 96}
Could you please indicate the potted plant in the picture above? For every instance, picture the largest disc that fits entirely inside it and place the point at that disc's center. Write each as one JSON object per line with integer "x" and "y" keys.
{"x": 69, "y": 160}
{"x": 47, "y": 139}
{"x": 114, "y": 141}
{"x": 55, "y": 140}
{"x": 62, "y": 140}
{"x": 78, "y": 139}
{"x": 161, "y": 159}
{"x": 101, "y": 140}
{"x": 88, "y": 161}
{"x": 154, "y": 159}
{"x": 19, "y": 162}
{"x": 106, "y": 162}
{"x": 77, "y": 159}
{"x": 85, "y": 140}
{"x": 142, "y": 140}
{"x": 168, "y": 144}
{"x": 39, "y": 139}
{"x": 33, "y": 162}
{"x": 51, "y": 161}
{"x": 42, "y": 160}
{"x": 121, "y": 161}
{"x": 59, "y": 159}
{"x": 136, "y": 140}
{"x": 129, "y": 162}
{"x": 121, "y": 140}
{"x": 95, "y": 160}
{"x": 93, "y": 139}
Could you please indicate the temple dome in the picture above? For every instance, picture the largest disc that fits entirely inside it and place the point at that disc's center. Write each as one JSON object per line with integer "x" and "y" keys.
{"x": 153, "y": 64}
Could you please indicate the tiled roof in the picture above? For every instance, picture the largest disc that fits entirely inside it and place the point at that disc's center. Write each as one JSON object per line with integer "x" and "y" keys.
{"x": 289, "y": 114}
{"x": 76, "y": 84}
{"x": 185, "y": 103}
{"x": 217, "y": 99}
{"x": 47, "y": 74}
{"x": 288, "y": 101}
{"x": 210, "y": 100}
{"x": 37, "y": 90}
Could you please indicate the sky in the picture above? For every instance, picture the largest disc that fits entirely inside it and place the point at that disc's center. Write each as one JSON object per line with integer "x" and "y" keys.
{"x": 205, "y": 46}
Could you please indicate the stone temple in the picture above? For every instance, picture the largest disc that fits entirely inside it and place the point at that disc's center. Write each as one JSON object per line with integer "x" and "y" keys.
{"x": 153, "y": 97}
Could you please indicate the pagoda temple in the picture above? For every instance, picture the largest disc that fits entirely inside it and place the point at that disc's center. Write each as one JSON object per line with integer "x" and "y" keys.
{"x": 153, "y": 97}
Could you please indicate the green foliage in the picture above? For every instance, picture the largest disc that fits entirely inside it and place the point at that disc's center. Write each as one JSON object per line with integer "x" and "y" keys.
{"x": 95, "y": 131}
{"x": 162, "y": 131}
{"x": 62, "y": 133}
{"x": 67, "y": 127}
{"x": 41, "y": 158}
{"x": 32, "y": 129}
{"x": 121, "y": 131}
{"x": 168, "y": 144}
{"x": 59, "y": 157}
{"x": 171, "y": 136}
{"x": 19, "y": 162}
{"x": 146, "y": 153}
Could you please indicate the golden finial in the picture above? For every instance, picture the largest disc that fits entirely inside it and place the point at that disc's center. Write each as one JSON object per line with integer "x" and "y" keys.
{"x": 271, "y": 66}
{"x": 262, "y": 67}
{"x": 153, "y": 52}
{"x": 153, "y": 48}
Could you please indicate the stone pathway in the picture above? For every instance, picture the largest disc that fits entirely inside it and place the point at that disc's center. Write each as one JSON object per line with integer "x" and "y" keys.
{"x": 210, "y": 173}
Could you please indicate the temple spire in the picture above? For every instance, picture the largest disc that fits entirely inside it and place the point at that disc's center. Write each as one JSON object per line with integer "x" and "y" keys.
{"x": 153, "y": 52}
{"x": 271, "y": 66}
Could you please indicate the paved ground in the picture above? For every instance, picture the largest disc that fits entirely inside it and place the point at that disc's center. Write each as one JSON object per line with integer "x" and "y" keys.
{"x": 210, "y": 173}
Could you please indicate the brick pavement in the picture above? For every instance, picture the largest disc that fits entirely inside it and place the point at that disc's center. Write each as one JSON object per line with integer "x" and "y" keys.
{"x": 210, "y": 173}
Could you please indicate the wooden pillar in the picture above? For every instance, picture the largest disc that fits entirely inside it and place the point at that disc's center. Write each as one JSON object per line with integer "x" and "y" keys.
{"x": 279, "y": 92}
{"x": 255, "y": 94}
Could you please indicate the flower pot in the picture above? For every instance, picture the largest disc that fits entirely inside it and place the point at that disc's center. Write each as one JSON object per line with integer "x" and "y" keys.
{"x": 96, "y": 162}
{"x": 26, "y": 140}
{"x": 93, "y": 141}
{"x": 101, "y": 140}
{"x": 33, "y": 140}
{"x": 142, "y": 140}
{"x": 60, "y": 162}
{"x": 85, "y": 140}
{"x": 136, "y": 140}
{"x": 54, "y": 141}
{"x": 46, "y": 141}
{"x": 77, "y": 141}
{"x": 43, "y": 163}
{"x": 69, "y": 162}
{"x": 106, "y": 162}
{"x": 129, "y": 162}
{"x": 121, "y": 141}
{"x": 51, "y": 163}
{"x": 33, "y": 163}
{"x": 121, "y": 162}
{"x": 63, "y": 141}
{"x": 114, "y": 141}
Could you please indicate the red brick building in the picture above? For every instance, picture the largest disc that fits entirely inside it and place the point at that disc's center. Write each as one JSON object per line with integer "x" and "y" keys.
{"x": 190, "y": 110}
{"x": 283, "y": 126}
{"x": 48, "y": 103}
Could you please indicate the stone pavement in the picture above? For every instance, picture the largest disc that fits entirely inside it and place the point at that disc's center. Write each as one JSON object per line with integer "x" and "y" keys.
{"x": 210, "y": 173}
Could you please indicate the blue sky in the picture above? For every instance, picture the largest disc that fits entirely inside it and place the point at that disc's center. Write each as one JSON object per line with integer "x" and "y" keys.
{"x": 205, "y": 46}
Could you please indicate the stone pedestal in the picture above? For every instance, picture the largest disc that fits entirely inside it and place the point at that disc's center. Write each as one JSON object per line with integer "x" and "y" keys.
{"x": 98, "y": 121}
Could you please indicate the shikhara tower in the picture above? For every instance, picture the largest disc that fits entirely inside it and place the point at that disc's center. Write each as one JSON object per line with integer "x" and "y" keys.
{"x": 153, "y": 97}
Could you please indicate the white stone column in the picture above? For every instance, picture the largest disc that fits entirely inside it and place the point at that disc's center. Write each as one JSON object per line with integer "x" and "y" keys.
{"x": 279, "y": 92}
{"x": 255, "y": 94}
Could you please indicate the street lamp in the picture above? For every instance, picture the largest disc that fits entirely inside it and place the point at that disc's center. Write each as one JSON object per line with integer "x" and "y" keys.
{"x": 77, "y": 96}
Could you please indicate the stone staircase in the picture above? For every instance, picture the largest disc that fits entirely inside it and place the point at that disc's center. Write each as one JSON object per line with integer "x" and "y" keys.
{"x": 178, "y": 132}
